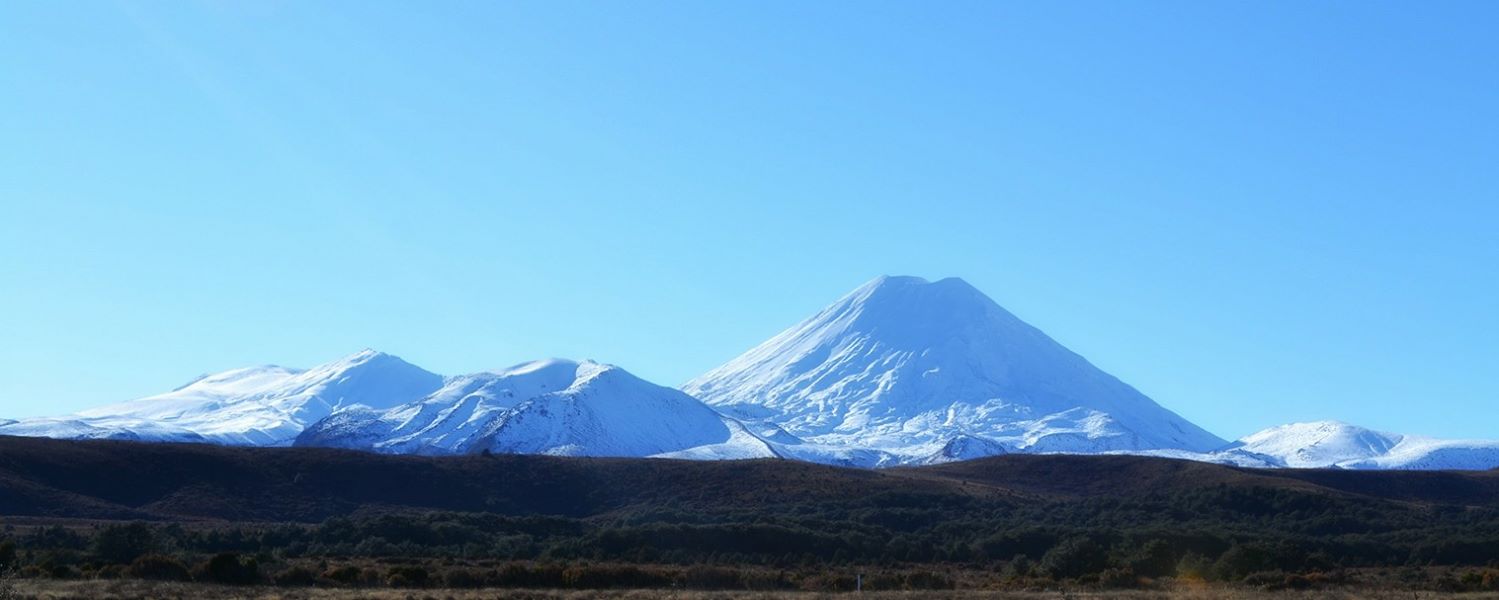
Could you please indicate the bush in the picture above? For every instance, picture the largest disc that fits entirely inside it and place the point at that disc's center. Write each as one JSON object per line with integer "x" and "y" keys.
{"x": 595, "y": 577}
{"x": 230, "y": 569}
{"x": 1299, "y": 582}
{"x": 155, "y": 567}
{"x": 927, "y": 580}
{"x": 461, "y": 578}
{"x": 1154, "y": 559}
{"x": 296, "y": 577}
{"x": 828, "y": 582}
{"x": 1073, "y": 558}
{"x": 110, "y": 572}
{"x": 407, "y": 577}
{"x": 529, "y": 576}
{"x": 1240, "y": 561}
{"x": 704, "y": 577}
{"x": 764, "y": 580}
{"x": 1118, "y": 578}
{"x": 1270, "y": 580}
{"x": 1018, "y": 568}
{"x": 121, "y": 544}
{"x": 1193, "y": 566}
{"x": 347, "y": 575}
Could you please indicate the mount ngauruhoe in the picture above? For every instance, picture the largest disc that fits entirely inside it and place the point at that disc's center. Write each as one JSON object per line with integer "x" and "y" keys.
{"x": 931, "y": 371}
{"x": 900, "y": 371}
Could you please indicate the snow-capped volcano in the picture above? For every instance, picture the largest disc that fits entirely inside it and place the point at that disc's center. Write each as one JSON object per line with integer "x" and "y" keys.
{"x": 262, "y": 406}
{"x": 556, "y": 407}
{"x": 901, "y": 371}
{"x": 919, "y": 370}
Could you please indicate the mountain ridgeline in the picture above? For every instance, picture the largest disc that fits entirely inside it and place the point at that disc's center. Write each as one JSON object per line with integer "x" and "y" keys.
{"x": 901, "y": 371}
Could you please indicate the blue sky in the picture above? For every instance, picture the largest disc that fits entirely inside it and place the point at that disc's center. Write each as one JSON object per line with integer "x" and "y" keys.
{"x": 1256, "y": 213}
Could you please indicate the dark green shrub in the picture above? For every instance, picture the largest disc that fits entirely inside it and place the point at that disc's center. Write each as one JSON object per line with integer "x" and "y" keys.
{"x": 529, "y": 576}
{"x": 595, "y": 577}
{"x": 828, "y": 582}
{"x": 296, "y": 577}
{"x": 121, "y": 544}
{"x": 156, "y": 567}
{"x": 1270, "y": 580}
{"x": 110, "y": 572}
{"x": 1118, "y": 578}
{"x": 704, "y": 577}
{"x": 1018, "y": 568}
{"x": 1194, "y": 566}
{"x": 229, "y": 568}
{"x": 407, "y": 577}
{"x": 347, "y": 575}
{"x": 1154, "y": 559}
{"x": 1242, "y": 560}
{"x": 462, "y": 578}
{"x": 1073, "y": 558}
{"x": 764, "y": 580}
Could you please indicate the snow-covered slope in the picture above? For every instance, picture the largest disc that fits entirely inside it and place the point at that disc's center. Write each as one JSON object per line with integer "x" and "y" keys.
{"x": 899, "y": 372}
{"x": 1317, "y": 444}
{"x": 264, "y": 406}
{"x": 555, "y": 407}
{"x": 908, "y": 371}
{"x": 1324, "y": 444}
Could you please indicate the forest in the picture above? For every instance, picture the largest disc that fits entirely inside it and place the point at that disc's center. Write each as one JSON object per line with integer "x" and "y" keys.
{"x": 179, "y": 513}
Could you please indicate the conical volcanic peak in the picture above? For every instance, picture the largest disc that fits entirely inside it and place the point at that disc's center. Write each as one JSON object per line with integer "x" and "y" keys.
{"x": 903, "y": 365}
{"x": 912, "y": 313}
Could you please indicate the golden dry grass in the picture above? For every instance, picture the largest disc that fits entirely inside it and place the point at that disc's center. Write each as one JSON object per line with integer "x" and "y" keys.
{"x": 142, "y": 590}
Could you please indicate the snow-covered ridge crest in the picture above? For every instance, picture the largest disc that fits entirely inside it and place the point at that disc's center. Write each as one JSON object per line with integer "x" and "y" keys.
{"x": 1334, "y": 444}
{"x": 556, "y": 407}
{"x": 261, "y": 406}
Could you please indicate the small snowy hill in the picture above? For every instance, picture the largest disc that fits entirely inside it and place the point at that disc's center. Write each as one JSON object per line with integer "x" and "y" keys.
{"x": 554, "y": 407}
{"x": 1325, "y": 444}
{"x": 1317, "y": 444}
{"x": 903, "y": 370}
{"x": 262, "y": 406}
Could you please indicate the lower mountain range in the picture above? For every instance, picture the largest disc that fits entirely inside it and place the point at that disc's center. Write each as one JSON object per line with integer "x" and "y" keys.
{"x": 901, "y": 371}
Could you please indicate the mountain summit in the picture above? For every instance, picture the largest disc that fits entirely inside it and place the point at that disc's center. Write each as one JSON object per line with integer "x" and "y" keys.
{"x": 555, "y": 406}
{"x": 906, "y": 367}
{"x": 257, "y": 406}
{"x": 1334, "y": 444}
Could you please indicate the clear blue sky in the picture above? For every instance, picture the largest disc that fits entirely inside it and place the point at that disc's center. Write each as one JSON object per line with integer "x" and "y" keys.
{"x": 1254, "y": 212}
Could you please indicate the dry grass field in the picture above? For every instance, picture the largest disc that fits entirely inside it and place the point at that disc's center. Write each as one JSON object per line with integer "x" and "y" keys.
{"x": 142, "y": 590}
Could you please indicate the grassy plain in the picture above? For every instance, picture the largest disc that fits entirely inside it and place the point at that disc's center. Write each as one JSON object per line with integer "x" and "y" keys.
{"x": 143, "y": 590}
